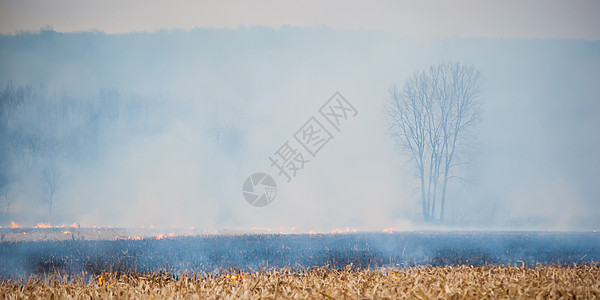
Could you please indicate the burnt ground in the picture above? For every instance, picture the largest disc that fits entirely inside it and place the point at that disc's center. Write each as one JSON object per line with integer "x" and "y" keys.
{"x": 212, "y": 253}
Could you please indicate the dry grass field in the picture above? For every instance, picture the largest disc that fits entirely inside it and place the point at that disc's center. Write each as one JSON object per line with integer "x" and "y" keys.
{"x": 460, "y": 282}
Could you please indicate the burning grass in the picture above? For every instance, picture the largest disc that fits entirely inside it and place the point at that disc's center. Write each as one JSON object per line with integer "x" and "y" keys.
{"x": 458, "y": 282}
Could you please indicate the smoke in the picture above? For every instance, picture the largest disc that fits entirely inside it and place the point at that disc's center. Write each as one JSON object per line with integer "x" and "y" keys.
{"x": 163, "y": 128}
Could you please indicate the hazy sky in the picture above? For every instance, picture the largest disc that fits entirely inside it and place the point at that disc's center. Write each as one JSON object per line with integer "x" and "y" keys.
{"x": 423, "y": 19}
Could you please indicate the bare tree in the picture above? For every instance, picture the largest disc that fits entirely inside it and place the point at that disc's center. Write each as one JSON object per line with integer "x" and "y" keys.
{"x": 51, "y": 176}
{"x": 9, "y": 198}
{"x": 431, "y": 118}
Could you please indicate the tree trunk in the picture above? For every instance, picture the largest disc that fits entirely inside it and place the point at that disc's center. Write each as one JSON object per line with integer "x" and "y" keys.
{"x": 50, "y": 213}
{"x": 423, "y": 198}
{"x": 443, "y": 201}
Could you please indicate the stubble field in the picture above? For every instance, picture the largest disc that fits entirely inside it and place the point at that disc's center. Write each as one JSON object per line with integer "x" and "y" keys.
{"x": 409, "y": 265}
{"x": 425, "y": 282}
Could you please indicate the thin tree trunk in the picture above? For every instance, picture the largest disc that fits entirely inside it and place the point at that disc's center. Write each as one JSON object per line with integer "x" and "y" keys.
{"x": 434, "y": 198}
{"x": 51, "y": 202}
{"x": 50, "y": 212}
{"x": 436, "y": 176}
{"x": 423, "y": 199}
{"x": 443, "y": 201}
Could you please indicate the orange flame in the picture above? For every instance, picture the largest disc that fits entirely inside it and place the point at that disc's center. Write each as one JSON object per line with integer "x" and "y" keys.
{"x": 343, "y": 230}
{"x": 160, "y": 237}
{"x": 100, "y": 280}
{"x": 66, "y": 232}
{"x": 42, "y": 225}
{"x": 389, "y": 230}
{"x": 14, "y": 225}
{"x": 240, "y": 277}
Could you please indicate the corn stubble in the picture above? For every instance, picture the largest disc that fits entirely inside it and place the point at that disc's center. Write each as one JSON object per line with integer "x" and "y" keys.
{"x": 462, "y": 282}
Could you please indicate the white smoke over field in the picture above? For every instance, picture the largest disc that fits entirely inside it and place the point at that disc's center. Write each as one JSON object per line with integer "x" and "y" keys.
{"x": 162, "y": 129}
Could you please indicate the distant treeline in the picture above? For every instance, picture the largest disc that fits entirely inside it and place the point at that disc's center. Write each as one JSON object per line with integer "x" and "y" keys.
{"x": 41, "y": 131}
